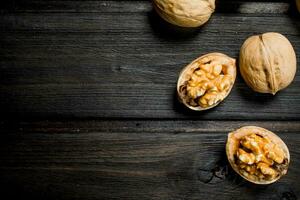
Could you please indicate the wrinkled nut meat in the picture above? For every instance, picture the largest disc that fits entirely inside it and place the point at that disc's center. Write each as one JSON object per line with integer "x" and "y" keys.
{"x": 185, "y": 13}
{"x": 207, "y": 81}
{"x": 257, "y": 154}
{"x": 268, "y": 62}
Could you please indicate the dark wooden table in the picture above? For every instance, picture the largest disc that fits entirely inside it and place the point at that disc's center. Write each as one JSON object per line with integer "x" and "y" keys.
{"x": 89, "y": 110}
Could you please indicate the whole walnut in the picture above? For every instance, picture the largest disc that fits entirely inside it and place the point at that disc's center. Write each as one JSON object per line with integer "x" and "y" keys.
{"x": 185, "y": 13}
{"x": 268, "y": 62}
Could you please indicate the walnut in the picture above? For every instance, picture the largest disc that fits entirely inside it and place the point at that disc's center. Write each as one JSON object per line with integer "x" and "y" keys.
{"x": 185, "y": 13}
{"x": 298, "y": 4}
{"x": 206, "y": 81}
{"x": 257, "y": 154}
{"x": 268, "y": 62}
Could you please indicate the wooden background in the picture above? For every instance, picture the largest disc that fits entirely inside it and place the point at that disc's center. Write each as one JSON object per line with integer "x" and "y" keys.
{"x": 88, "y": 108}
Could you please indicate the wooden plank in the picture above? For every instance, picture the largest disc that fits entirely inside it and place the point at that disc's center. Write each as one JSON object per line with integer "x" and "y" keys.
{"x": 117, "y": 59}
{"x": 233, "y": 6}
{"x": 133, "y": 160}
{"x": 145, "y": 22}
{"x": 60, "y": 63}
{"x": 91, "y": 65}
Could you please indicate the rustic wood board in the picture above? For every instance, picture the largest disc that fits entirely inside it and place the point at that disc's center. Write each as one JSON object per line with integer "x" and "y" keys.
{"x": 133, "y": 160}
{"x": 119, "y": 59}
{"x": 89, "y": 111}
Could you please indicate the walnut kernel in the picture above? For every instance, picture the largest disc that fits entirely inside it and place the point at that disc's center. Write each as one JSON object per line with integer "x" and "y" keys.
{"x": 257, "y": 154}
{"x": 206, "y": 81}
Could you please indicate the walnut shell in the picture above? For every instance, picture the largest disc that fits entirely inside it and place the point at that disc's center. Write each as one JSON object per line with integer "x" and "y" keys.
{"x": 227, "y": 63}
{"x": 298, "y": 4}
{"x": 185, "y": 13}
{"x": 233, "y": 143}
{"x": 268, "y": 62}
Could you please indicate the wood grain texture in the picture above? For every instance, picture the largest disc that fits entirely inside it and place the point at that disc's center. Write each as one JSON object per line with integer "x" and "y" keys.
{"x": 233, "y": 6}
{"x": 103, "y": 73}
{"x": 120, "y": 64}
{"x": 133, "y": 160}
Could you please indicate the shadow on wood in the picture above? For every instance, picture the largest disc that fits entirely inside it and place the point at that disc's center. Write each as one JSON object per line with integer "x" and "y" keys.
{"x": 170, "y": 32}
{"x": 251, "y": 96}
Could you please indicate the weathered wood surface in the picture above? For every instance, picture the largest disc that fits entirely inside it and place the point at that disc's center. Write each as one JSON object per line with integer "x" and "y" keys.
{"x": 117, "y": 59}
{"x": 104, "y": 73}
{"x": 133, "y": 160}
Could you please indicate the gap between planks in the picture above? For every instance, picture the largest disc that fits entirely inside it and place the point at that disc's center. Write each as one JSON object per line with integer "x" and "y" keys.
{"x": 145, "y": 126}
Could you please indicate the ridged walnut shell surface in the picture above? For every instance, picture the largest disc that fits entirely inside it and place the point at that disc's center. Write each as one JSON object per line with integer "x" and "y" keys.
{"x": 233, "y": 144}
{"x": 188, "y": 70}
{"x": 267, "y": 62}
{"x": 185, "y": 13}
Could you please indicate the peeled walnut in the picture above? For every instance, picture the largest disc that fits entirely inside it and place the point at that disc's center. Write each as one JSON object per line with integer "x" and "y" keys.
{"x": 206, "y": 81}
{"x": 185, "y": 13}
{"x": 258, "y": 155}
{"x": 268, "y": 62}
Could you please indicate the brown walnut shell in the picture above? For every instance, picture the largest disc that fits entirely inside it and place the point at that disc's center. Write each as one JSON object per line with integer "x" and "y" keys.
{"x": 186, "y": 73}
{"x": 267, "y": 62}
{"x": 185, "y": 13}
{"x": 233, "y": 144}
{"x": 298, "y": 4}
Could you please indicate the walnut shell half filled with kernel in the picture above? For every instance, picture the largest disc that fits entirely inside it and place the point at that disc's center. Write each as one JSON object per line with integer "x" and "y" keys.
{"x": 267, "y": 62}
{"x": 258, "y": 155}
{"x": 185, "y": 13}
{"x": 206, "y": 81}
